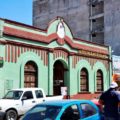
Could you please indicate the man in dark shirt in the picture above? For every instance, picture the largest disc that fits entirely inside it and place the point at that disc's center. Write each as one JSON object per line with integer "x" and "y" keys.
{"x": 110, "y": 99}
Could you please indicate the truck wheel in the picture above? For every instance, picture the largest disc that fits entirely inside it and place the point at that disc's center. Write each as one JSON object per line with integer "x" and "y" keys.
{"x": 11, "y": 115}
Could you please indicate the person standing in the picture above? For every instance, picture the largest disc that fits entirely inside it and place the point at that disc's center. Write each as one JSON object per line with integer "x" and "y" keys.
{"x": 110, "y": 100}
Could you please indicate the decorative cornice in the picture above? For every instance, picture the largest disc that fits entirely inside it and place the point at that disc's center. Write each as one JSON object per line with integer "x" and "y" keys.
{"x": 50, "y": 49}
{"x": 3, "y": 41}
{"x": 47, "y": 39}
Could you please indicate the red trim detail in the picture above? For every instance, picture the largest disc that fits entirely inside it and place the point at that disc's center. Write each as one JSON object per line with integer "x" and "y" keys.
{"x": 8, "y": 53}
{"x": 59, "y": 53}
{"x": 74, "y": 62}
{"x": 25, "y": 49}
{"x": 44, "y": 57}
{"x": 12, "y": 53}
{"x": 42, "y": 54}
{"x": 47, "y": 58}
{"x": 79, "y": 46}
{"x": 3, "y": 42}
{"x": 61, "y": 41}
{"x": 15, "y": 54}
{"x": 49, "y": 38}
{"x": 29, "y": 35}
{"x": 19, "y": 51}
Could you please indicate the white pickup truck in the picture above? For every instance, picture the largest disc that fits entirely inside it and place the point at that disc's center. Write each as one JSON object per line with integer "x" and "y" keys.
{"x": 17, "y": 101}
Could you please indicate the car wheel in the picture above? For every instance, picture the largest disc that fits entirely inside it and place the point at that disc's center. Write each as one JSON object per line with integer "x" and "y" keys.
{"x": 11, "y": 115}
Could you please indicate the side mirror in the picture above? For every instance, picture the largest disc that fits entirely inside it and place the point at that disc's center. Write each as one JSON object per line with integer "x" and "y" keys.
{"x": 24, "y": 98}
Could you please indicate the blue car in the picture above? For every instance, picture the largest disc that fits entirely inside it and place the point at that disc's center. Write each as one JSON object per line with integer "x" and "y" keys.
{"x": 64, "y": 110}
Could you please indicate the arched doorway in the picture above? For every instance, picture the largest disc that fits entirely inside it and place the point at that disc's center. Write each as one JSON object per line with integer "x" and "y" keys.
{"x": 58, "y": 77}
{"x": 84, "y": 80}
{"x": 99, "y": 81}
{"x": 30, "y": 75}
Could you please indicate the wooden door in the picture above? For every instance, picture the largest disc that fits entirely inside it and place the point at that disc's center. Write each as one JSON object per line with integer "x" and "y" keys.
{"x": 58, "y": 79}
{"x": 30, "y": 75}
{"x": 99, "y": 81}
{"x": 84, "y": 80}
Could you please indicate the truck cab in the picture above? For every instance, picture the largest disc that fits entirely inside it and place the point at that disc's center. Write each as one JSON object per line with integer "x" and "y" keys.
{"x": 17, "y": 101}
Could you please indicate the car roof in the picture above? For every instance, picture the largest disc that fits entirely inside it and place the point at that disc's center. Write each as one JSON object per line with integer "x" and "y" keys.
{"x": 64, "y": 102}
{"x": 26, "y": 89}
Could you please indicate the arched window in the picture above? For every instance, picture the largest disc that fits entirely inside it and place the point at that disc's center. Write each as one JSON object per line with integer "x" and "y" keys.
{"x": 99, "y": 81}
{"x": 84, "y": 80}
{"x": 30, "y": 75}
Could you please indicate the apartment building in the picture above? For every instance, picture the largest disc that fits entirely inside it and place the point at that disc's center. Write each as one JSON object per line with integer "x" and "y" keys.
{"x": 92, "y": 20}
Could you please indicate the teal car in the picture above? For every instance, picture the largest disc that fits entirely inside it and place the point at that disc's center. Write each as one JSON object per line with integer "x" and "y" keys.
{"x": 64, "y": 110}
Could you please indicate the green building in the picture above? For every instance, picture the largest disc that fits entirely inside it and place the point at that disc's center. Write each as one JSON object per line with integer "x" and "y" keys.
{"x": 51, "y": 59}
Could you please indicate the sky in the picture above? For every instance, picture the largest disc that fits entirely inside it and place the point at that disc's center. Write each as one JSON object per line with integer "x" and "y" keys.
{"x": 17, "y": 10}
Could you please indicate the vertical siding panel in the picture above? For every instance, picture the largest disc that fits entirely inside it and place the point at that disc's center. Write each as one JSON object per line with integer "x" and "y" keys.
{"x": 15, "y": 53}
{"x": 12, "y": 53}
{"x": 73, "y": 61}
{"x": 56, "y": 55}
{"x": 47, "y": 58}
{"x": 24, "y": 49}
{"x": 41, "y": 54}
{"x": 44, "y": 57}
{"x": 60, "y": 53}
{"x": 6, "y": 53}
{"x": 77, "y": 59}
{"x": 18, "y": 51}
{"x": 66, "y": 56}
{"x": 38, "y": 52}
{"x": 27, "y": 49}
{"x": 63, "y": 55}
{"x": 53, "y": 55}
{"x": 21, "y": 50}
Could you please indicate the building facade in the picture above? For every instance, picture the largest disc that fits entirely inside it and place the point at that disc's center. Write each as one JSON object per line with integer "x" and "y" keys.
{"x": 51, "y": 59}
{"x": 92, "y": 20}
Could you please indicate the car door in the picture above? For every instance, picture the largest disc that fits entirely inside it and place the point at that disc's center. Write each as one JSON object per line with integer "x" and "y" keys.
{"x": 39, "y": 96}
{"x": 28, "y": 101}
{"x": 89, "y": 112}
{"x": 71, "y": 113}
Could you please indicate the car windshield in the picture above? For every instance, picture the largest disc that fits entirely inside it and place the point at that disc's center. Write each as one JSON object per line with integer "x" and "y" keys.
{"x": 42, "y": 112}
{"x": 13, "y": 95}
